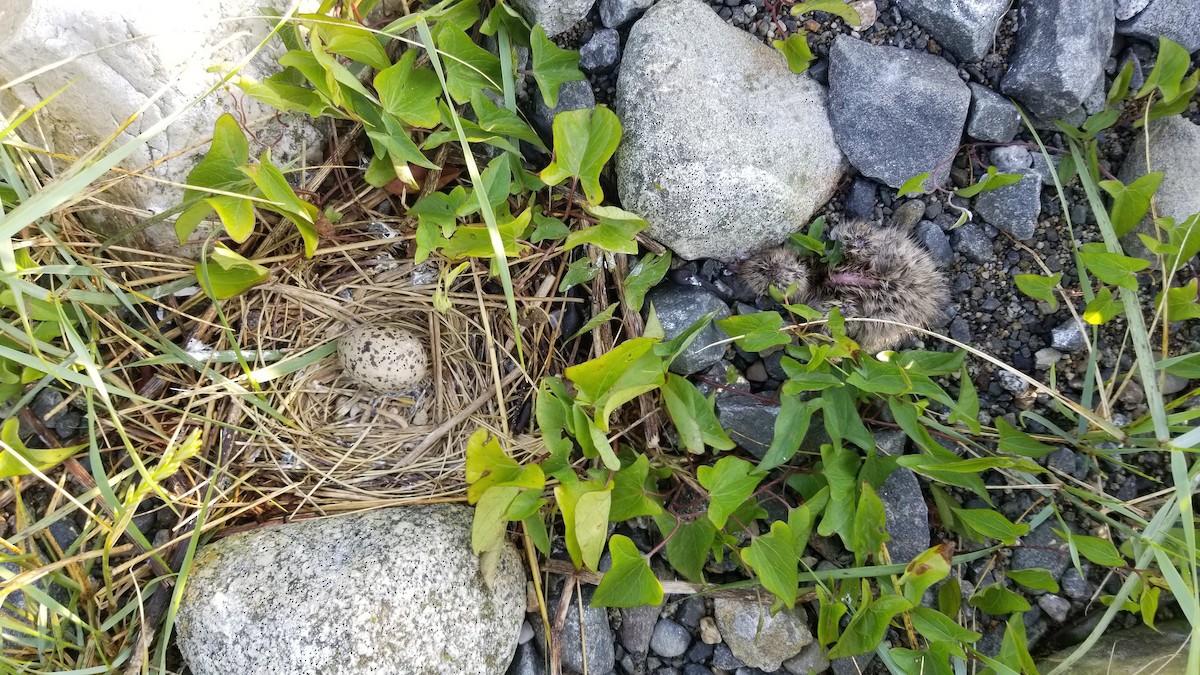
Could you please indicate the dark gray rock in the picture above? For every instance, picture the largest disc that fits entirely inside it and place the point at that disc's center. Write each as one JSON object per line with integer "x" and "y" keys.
{"x": 896, "y": 113}
{"x": 810, "y": 660}
{"x": 617, "y": 13}
{"x": 1178, "y": 20}
{"x": 749, "y": 421}
{"x": 1061, "y": 49}
{"x": 555, "y": 16}
{"x": 757, "y": 638}
{"x": 1067, "y": 337}
{"x": 935, "y": 241}
{"x": 1013, "y": 208}
{"x": 696, "y": 669}
{"x": 597, "y": 635}
{"x": 1067, "y": 461}
{"x": 993, "y": 118}
{"x": 891, "y": 442}
{"x": 971, "y": 241}
{"x": 907, "y": 215}
{"x": 860, "y": 201}
{"x": 637, "y": 627}
{"x": 907, "y": 515}
{"x": 1077, "y": 587}
{"x": 1136, "y": 650}
{"x": 852, "y": 665}
{"x": 965, "y": 27}
{"x": 574, "y": 95}
{"x": 601, "y": 53}
{"x": 1012, "y": 382}
{"x": 1045, "y": 171}
{"x": 527, "y": 661}
{"x": 691, "y": 87}
{"x": 691, "y": 611}
{"x": 1044, "y": 549}
{"x": 678, "y": 307}
{"x": 724, "y": 659}
{"x": 670, "y": 639}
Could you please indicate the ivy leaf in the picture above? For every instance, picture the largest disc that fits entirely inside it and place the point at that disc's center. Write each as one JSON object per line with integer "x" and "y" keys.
{"x": 1020, "y": 443}
{"x": 630, "y": 582}
{"x": 1036, "y": 578}
{"x": 991, "y": 524}
{"x": 547, "y": 227}
{"x": 630, "y": 497}
{"x": 584, "y": 140}
{"x": 729, "y": 483}
{"x": 1039, "y": 287}
{"x": 1181, "y": 302}
{"x": 475, "y": 241}
{"x": 842, "y": 419}
{"x": 488, "y": 465}
{"x": 1099, "y": 551}
{"x": 410, "y": 93}
{"x": 489, "y": 523}
{"x": 644, "y": 275}
{"x": 989, "y": 181}
{"x": 1131, "y": 202}
{"x": 1171, "y": 65}
{"x": 914, "y": 185}
{"x": 836, "y": 7}
{"x": 1102, "y": 308}
{"x": 585, "y": 508}
{"x": 552, "y": 66}
{"x": 500, "y": 121}
{"x": 774, "y": 558}
{"x": 236, "y": 214}
{"x": 795, "y": 50}
{"x": 228, "y": 274}
{"x": 1112, "y": 268}
{"x": 870, "y": 524}
{"x": 867, "y": 628}
{"x": 756, "y": 332}
{"x": 616, "y": 230}
{"x": 693, "y": 416}
{"x": 791, "y": 426}
{"x": 274, "y": 186}
{"x": 997, "y": 600}
{"x": 688, "y": 544}
{"x": 925, "y": 570}
{"x": 469, "y": 67}
{"x": 1186, "y": 365}
{"x": 840, "y": 467}
{"x": 354, "y": 42}
{"x": 41, "y": 459}
{"x": 578, "y": 272}
{"x": 938, "y": 627}
{"x": 220, "y": 169}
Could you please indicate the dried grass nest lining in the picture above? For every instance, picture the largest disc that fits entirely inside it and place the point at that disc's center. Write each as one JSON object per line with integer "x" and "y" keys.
{"x": 348, "y": 443}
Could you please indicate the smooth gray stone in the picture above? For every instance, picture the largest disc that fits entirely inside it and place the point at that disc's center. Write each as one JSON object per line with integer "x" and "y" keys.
{"x": 1178, "y": 20}
{"x": 678, "y": 307}
{"x": 1061, "y": 49}
{"x": 935, "y": 241}
{"x": 394, "y": 590}
{"x": 691, "y": 92}
{"x": 965, "y": 27}
{"x": 670, "y": 639}
{"x": 750, "y": 422}
{"x": 876, "y": 94}
{"x": 1174, "y": 150}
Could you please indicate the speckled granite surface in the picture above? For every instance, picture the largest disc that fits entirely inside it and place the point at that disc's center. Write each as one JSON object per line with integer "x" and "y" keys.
{"x": 394, "y": 591}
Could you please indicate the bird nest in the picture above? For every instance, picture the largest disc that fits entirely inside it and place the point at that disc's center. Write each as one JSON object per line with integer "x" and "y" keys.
{"x": 322, "y": 434}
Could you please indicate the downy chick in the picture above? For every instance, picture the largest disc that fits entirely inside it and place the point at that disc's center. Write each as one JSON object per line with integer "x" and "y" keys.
{"x": 884, "y": 274}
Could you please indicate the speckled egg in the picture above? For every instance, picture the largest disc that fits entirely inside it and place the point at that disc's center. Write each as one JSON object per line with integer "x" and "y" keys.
{"x": 385, "y": 358}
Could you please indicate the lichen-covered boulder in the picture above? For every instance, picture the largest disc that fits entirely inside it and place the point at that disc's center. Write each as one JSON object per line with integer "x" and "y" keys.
{"x": 391, "y": 591}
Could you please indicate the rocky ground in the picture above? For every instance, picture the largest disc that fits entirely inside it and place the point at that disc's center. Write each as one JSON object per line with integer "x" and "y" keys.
{"x": 1013, "y": 230}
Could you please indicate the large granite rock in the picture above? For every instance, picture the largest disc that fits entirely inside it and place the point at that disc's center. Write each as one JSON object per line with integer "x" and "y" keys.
{"x": 395, "y": 590}
{"x": 146, "y": 54}
{"x": 1174, "y": 150}
{"x": 896, "y": 113}
{"x": 965, "y": 27}
{"x": 554, "y": 16}
{"x": 1060, "y": 53}
{"x": 1175, "y": 19}
{"x": 725, "y": 151}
